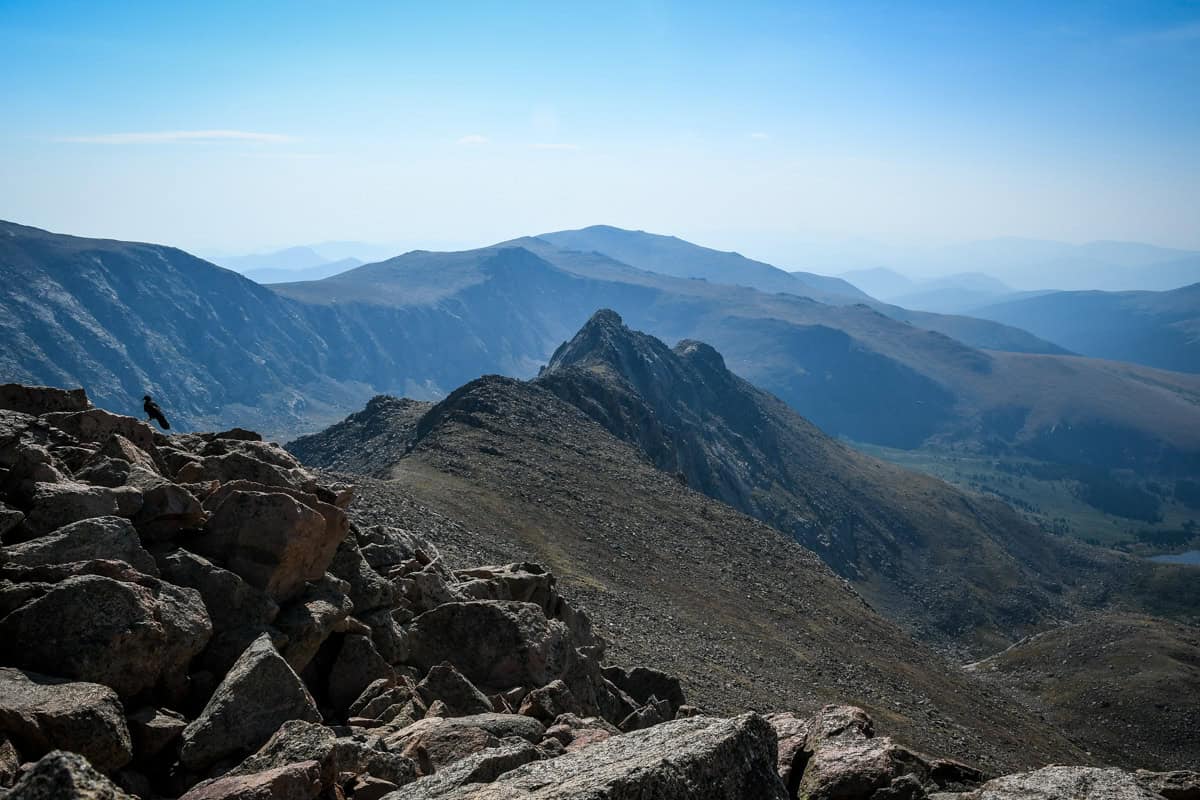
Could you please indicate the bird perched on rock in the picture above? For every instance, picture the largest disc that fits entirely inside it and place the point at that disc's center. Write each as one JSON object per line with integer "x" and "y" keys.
{"x": 155, "y": 413}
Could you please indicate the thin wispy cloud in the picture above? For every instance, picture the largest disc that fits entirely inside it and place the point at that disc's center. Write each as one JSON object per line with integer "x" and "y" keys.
{"x": 473, "y": 139}
{"x": 760, "y": 135}
{"x": 555, "y": 146}
{"x": 171, "y": 137}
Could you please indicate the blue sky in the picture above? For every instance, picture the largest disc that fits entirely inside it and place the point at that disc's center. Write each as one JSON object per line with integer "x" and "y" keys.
{"x": 756, "y": 126}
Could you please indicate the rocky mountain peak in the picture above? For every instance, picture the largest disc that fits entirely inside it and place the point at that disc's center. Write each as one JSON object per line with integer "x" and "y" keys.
{"x": 605, "y": 340}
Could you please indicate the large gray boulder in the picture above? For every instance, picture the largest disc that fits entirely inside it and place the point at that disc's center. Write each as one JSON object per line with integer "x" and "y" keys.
{"x": 53, "y": 505}
{"x": 40, "y": 714}
{"x": 495, "y": 644}
{"x": 64, "y": 776}
{"x": 97, "y": 425}
{"x": 1064, "y": 783}
{"x": 701, "y": 758}
{"x": 129, "y": 634}
{"x": 274, "y": 541}
{"x": 482, "y": 767}
{"x": 260, "y": 693}
{"x": 86, "y": 540}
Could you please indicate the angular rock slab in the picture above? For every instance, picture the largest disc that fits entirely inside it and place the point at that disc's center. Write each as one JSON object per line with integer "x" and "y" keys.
{"x": 482, "y": 767}
{"x": 41, "y": 714}
{"x": 37, "y": 400}
{"x": 300, "y": 781}
{"x": 65, "y": 776}
{"x": 701, "y": 758}
{"x": 128, "y": 636}
{"x": 273, "y": 541}
{"x": 260, "y": 693}
{"x": 87, "y": 540}
{"x": 1064, "y": 783}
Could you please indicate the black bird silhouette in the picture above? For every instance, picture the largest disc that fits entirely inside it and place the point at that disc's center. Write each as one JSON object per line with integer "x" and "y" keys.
{"x": 154, "y": 412}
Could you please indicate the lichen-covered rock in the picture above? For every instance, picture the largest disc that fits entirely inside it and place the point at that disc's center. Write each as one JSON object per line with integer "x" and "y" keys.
{"x": 65, "y": 776}
{"x": 482, "y": 767}
{"x": 126, "y": 634}
{"x": 434, "y": 742}
{"x": 548, "y": 702}
{"x": 791, "y": 731}
{"x": 366, "y": 755}
{"x": 41, "y": 714}
{"x": 86, "y": 540}
{"x": 576, "y": 733}
{"x": 260, "y": 693}
{"x": 461, "y": 698}
{"x": 301, "y": 781}
{"x": 273, "y": 541}
{"x": 1064, "y": 783}
{"x": 10, "y": 762}
{"x": 702, "y": 758}
{"x": 496, "y": 644}
{"x": 293, "y": 742}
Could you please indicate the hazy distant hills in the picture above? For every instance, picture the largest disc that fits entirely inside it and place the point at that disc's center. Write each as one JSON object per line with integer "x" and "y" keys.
{"x": 668, "y": 255}
{"x": 1026, "y": 264}
{"x": 1160, "y": 329}
{"x": 290, "y": 264}
{"x": 950, "y": 294}
{"x": 125, "y": 318}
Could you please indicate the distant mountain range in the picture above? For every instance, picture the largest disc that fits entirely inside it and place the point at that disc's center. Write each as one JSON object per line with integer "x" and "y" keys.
{"x": 1026, "y": 264}
{"x": 950, "y": 294}
{"x": 124, "y": 319}
{"x": 1160, "y": 329}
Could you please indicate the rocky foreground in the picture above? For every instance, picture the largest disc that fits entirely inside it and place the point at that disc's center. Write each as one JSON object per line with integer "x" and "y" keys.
{"x": 195, "y": 616}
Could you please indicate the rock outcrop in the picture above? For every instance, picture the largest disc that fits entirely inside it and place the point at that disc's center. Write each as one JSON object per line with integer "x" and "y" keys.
{"x": 195, "y": 616}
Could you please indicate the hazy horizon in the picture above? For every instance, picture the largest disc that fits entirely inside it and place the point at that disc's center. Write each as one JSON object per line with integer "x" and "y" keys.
{"x": 771, "y": 129}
